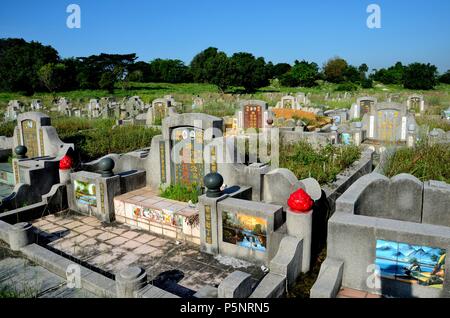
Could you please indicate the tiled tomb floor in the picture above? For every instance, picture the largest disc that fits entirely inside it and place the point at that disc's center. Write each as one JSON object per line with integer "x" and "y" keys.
{"x": 113, "y": 247}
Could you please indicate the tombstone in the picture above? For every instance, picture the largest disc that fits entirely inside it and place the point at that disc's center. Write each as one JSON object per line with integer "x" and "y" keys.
{"x": 302, "y": 98}
{"x": 179, "y": 152}
{"x": 94, "y": 108}
{"x": 288, "y": 102}
{"x": 133, "y": 106}
{"x": 36, "y": 104}
{"x": 253, "y": 114}
{"x": 416, "y": 102}
{"x": 198, "y": 102}
{"x": 64, "y": 106}
{"x": 388, "y": 122}
{"x": 339, "y": 116}
{"x": 158, "y": 111}
{"x": 34, "y": 131}
{"x": 364, "y": 106}
{"x": 13, "y": 109}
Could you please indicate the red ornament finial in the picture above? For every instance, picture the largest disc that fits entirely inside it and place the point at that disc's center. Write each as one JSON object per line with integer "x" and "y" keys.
{"x": 65, "y": 163}
{"x": 300, "y": 201}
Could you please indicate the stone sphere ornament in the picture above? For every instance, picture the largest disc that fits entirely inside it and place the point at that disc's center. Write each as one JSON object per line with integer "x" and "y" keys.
{"x": 66, "y": 163}
{"x": 213, "y": 182}
{"x": 21, "y": 151}
{"x": 300, "y": 201}
{"x": 106, "y": 166}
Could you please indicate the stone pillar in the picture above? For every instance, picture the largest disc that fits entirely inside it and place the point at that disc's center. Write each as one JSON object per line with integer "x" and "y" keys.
{"x": 20, "y": 235}
{"x": 357, "y": 134}
{"x": 433, "y": 136}
{"x": 299, "y": 225}
{"x": 411, "y": 139}
{"x": 129, "y": 281}
{"x": 334, "y": 135}
{"x": 209, "y": 240}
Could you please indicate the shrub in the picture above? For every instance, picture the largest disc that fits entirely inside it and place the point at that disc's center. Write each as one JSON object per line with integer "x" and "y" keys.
{"x": 367, "y": 83}
{"x": 7, "y": 129}
{"x": 425, "y": 162}
{"x": 323, "y": 164}
{"x": 181, "y": 193}
{"x": 347, "y": 87}
{"x": 96, "y": 143}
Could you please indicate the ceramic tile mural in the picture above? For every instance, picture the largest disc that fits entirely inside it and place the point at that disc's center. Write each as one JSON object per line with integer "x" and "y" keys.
{"x": 413, "y": 264}
{"x": 85, "y": 193}
{"x": 244, "y": 230}
{"x": 158, "y": 216}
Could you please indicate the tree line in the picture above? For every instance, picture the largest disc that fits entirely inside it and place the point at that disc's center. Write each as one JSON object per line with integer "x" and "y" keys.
{"x": 32, "y": 67}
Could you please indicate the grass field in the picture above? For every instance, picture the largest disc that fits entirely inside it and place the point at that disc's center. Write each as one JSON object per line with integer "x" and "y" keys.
{"x": 439, "y": 97}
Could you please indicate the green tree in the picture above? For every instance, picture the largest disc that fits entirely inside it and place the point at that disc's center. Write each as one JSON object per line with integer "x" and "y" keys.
{"x": 248, "y": 72}
{"x": 334, "y": 70}
{"x": 104, "y": 68}
{"x": 20, "y": 62}
{"x": 352, "y": 74}
{"x": 52, "y": 76}
{"x": 109, "y": 78}
{"x": 277, "y": 70}
{"x": 392, "y": 75}
{"x": 420, "y": 76}
{"x": 211, "y": 66}
{"x": 169, "y": 71}
{"x": 305, "y": 74}
{"x": 445, "y": 78}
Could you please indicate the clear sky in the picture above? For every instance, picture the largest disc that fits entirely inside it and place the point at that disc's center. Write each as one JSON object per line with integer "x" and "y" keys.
{"x": 281, "y": 31}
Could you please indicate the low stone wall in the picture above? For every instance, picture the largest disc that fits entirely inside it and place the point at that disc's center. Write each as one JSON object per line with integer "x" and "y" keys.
{"x": 53, "y": 202}
{"x": 377, "y": 218}
{"x": 346, "y": 178}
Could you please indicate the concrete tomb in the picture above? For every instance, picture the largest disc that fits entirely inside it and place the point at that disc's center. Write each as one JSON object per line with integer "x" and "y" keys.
{"x": 389, "y": 237}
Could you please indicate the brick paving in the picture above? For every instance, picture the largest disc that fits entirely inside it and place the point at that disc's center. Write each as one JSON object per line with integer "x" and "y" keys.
{"x": 353, "y": 293}
{"x": 114, "y": 247}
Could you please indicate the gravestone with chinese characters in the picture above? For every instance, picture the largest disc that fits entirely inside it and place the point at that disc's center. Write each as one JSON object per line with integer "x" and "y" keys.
{"x": 35, "y": 132}
{"x": 179, "y": 153}
{"x": 416, "y": 103}
{"x": 253, "y": 114}
{"x": 388, "y": 122}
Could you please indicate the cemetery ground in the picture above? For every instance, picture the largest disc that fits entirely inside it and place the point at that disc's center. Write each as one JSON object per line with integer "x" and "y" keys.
{"x": 21, "y": 278}
{"x": 178, "y": 267}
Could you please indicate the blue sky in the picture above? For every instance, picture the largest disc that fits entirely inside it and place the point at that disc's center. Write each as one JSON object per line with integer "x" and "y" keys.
{"x": 281, "y": 31}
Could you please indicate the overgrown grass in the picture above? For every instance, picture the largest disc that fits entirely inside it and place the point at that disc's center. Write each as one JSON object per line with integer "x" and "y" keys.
{"x": 425, "y": 162}
{"x": 433, "y": 122}
{"x": 181, "y": 193}
{"x": 305, "y": 281}
{"x": 7, "y": 129}
{"x": 95, "y": 143}
{"x": 94, "y": 138}
{"x": 186, "y": 92}
{"x": 323, "y": 164}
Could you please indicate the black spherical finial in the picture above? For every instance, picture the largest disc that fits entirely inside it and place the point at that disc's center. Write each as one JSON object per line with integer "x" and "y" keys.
{"x": 106, "y": 166}
{"x": 21, "y": 151}
{"x": 213, "y": 181}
